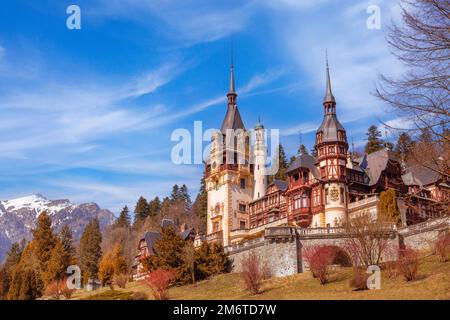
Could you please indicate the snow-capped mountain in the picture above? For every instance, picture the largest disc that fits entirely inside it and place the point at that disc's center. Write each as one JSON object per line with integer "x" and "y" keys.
{"x": 18, "y": 217}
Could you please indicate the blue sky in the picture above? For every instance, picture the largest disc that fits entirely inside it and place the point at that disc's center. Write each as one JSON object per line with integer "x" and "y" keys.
{"x": 88, "y": 114}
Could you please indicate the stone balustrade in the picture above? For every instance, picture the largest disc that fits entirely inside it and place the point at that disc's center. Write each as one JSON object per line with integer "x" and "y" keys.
{"x": 364, "y": 202}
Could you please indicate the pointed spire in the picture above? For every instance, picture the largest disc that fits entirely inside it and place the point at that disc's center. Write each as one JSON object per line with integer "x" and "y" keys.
{"x": 259, "y": 124}
{"x": 232, "y": 90}
{"x": 329, "y": 95}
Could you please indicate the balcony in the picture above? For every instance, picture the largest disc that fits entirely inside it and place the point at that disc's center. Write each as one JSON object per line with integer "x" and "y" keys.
{"x": 215, "y": 237}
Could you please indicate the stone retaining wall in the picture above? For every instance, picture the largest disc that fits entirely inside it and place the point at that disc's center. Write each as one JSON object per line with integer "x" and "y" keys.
{"x": 281, "y": 249}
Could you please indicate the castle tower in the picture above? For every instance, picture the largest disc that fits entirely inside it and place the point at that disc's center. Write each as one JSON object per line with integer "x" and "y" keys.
{"x": 332, "y": 149}
{"x": 260, "y": 156}
{"x": 228, "y": 178}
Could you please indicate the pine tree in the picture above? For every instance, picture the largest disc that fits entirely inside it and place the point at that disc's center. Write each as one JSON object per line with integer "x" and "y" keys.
{"x": 66, "y": 238}
{"x": 425, "y": 136}
{"x": 123, "y": 221}
{"x": 44, "y": 241}
{"x": 210, "y": 259}
{"x": 201, "y": 205}
{"x": 113, "y": 264}
{"x": 291, "y": 160}
{"x": 404, "y": 146}
{"x": 12, "y": 256}
{"x": 90, "y": 250}
{"x": 6, "y": 271}
{"x": 5, "y": 282}
{"x": 154, "y": 207}
{"x": 56, "y": 267}
{"x": 374, "y": 143}
{"x": 302, "y": 149}
{"x": 141, "y": 211}
{"x": 175, "y": 195}
{"x": 168, "y": 248}
{"x": 26, "y": 282}
{"x": 25, "y": 285}
{"x": 185, "y": 197}
{"x": 282, "y": 166}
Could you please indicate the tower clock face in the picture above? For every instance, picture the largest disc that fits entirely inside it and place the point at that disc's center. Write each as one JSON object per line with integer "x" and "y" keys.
{"x": 217, "y": 208}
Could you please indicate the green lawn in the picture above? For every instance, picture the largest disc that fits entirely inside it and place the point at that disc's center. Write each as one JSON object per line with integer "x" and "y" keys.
{"x": 433, "y": 283}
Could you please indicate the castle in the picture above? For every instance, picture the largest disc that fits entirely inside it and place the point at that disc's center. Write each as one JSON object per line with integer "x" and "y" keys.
{"x": 320, "y": 191}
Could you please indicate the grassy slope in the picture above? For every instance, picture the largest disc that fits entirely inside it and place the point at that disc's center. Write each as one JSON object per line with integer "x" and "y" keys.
{"x": 433, "y": 283}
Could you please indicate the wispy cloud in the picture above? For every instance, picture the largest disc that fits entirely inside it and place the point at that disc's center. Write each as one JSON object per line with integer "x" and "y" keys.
{"x": 357, "y": 55}
{"x": 257, "y": 81}
{"x": 299, "y": 129}
{"x": 294, "y": 4}
{"x": 152, "y": 80}
{"x": 58, "y": 114}
{"x": 186, "y": 22}
{"x": 261, "y": 79}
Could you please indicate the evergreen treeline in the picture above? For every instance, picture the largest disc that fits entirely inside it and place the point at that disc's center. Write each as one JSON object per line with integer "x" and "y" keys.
{"x": 172, "y": 252}
{"x": 28, "y": 270}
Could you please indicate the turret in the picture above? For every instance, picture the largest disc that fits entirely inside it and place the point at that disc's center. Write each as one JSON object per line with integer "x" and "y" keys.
{"x": 260, "y": 156}
{"x": 332, "y": 150}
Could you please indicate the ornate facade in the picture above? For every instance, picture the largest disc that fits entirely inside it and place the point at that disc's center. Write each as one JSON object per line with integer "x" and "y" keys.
{"x": 320, "y": 192}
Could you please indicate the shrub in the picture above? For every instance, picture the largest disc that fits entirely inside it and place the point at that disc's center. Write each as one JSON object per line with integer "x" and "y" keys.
{"x": 159, "y": 281}
{"x": 320, "y": 263}
{"x": 139, "y": 295}
{"x": 67, "y": 293}
{"x": 442, "y": 247}
{"x": 54, "y": 289}
{"x": 391, "y": 269}
{"x": 252, "y": 273}
{"x": 359, "y": 280}
{"x": 321, "y": 257}
{"x": 121, "y": 280}
{"x": 408, "y": 263}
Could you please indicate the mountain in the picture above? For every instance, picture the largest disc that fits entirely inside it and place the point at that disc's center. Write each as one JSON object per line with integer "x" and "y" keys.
{"x": 18, "y": 217}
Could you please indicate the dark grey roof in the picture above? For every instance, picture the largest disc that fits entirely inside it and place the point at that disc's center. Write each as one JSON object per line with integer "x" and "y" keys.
{"x": 186, "y": 233}
{"x": 150, "y": 238}
{"x": 375, "y": 162}
{"x": 282, "y": 185}
{"x": 419, "y": 176}
{"x": 305, "y": 161}
{"x": 328, "y": 95}
{"x": 232, "y": 119}
{"x": 166, "y": 223}
{"x": 330, "y": 127}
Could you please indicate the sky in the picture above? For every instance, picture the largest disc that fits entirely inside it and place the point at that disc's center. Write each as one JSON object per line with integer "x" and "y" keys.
{"x": 88, "y": 114}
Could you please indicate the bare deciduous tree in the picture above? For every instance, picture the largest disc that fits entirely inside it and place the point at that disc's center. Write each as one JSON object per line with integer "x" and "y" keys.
{"x": 368, "y": 239}
{"x": 421, "y": 95}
